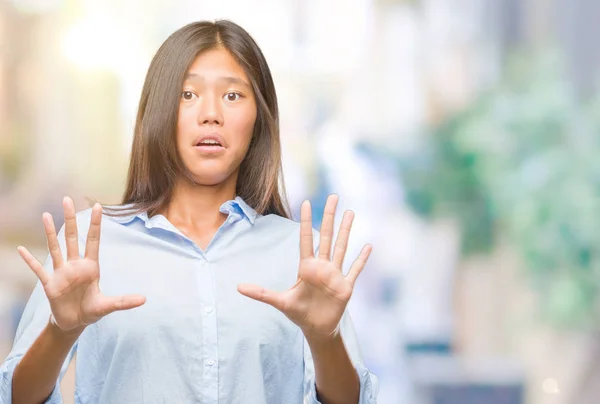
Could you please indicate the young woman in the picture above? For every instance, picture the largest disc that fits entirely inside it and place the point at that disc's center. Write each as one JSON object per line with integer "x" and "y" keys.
{"x": 227, "y": 308}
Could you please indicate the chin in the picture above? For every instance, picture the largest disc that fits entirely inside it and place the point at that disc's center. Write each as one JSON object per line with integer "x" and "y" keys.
{"x": 210, "y": 177}
{"x": 209, "y": 180}
{"x": 211, "y": 173}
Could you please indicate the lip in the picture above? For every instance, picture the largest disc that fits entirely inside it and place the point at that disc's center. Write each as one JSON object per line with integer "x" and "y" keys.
{"x": 210, "y": 150}
{"x": 210, "y": 136}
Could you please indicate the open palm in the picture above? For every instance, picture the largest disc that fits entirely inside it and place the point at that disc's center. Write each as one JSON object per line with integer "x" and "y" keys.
{"x": 318, "y": 299}
{"x": 73, "y": 288}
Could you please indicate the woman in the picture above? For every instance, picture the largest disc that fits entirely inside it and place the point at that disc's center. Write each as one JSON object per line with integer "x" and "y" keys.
{"x": 201, "y": 225}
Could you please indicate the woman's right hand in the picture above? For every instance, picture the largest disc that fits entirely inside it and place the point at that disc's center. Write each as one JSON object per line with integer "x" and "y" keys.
{"x": 73, "y": 288}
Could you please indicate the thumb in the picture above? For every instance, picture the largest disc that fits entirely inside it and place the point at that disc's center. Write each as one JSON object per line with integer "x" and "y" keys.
{"x": 109, "y": 305}
{"x": 261, "y": 294}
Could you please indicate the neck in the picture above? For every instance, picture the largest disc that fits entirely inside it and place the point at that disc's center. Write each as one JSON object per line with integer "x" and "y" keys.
{"x": 195, "y": 205}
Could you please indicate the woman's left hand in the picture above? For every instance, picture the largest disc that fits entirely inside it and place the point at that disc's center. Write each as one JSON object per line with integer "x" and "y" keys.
{"x": 319, "y": 297}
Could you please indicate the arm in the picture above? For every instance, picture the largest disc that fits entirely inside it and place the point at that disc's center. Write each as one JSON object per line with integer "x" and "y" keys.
{"x": 35, "y": 376}
{"x": 332, "y": 375}
{"x": 317, "y": 303}
{"x": 68, "y": 288}
{"x": 39, "y": 357}
{"x": 336, "y": 379}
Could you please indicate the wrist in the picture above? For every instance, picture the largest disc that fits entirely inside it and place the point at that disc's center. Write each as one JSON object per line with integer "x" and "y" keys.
{"x": 75, "y": 332}
{"x": 317, "y": 340}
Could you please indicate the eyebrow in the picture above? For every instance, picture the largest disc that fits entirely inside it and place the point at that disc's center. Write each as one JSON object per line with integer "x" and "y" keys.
{"x": 226, "y": 79}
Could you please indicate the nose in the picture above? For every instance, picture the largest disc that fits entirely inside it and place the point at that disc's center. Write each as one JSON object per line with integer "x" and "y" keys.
{"x": 210, "y": 112}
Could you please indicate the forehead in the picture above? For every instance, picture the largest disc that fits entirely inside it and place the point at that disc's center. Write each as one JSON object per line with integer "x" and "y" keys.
{"x": 217, "y": 62}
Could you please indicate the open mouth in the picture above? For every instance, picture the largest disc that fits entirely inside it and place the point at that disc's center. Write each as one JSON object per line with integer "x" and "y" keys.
{"x": 209, "y": 143}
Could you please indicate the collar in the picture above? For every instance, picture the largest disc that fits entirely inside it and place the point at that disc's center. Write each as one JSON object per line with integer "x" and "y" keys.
{"x": 236, "y": 207}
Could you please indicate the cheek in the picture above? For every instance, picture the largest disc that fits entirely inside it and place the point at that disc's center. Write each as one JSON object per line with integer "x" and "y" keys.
{"x": 184, "y": 128}
{"x": 184, "y": 120}
{"x": 243, "y": 126}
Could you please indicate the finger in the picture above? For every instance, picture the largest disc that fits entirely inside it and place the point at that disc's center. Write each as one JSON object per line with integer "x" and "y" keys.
{"x": 327, "y": 227}
{"x": 34, "y": 264}
{"x": 306, "y": 231}
{"x": 53, "y": 246}
{"x": 341, "y": 243}
{"x": 92, "y": 245}
{"x": 111, "y": 304}
{"x": 71, "y": 237}
{"x": 359, "y": 264}
{"x": 261, "y": 294}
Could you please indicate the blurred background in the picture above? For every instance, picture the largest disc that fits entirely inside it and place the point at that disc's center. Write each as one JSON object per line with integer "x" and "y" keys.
{"x": 463, "y": 133}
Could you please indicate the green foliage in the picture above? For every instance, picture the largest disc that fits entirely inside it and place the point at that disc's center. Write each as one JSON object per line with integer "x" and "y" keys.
{"x": 523, "y": 163}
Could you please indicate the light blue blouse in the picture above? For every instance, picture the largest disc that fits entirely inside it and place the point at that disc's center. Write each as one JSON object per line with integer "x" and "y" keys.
{"x": 196, "y": 339}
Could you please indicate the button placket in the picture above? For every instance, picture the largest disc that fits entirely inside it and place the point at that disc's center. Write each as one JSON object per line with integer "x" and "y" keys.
{"x": 209, "y": 331}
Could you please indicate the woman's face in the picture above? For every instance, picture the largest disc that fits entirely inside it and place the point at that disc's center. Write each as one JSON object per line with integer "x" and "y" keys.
{"x": 217, "y": 111}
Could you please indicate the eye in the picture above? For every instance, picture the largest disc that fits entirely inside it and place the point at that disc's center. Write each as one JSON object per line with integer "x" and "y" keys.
{"x": 233, "y": 96}
{"x": 187, "y": 95}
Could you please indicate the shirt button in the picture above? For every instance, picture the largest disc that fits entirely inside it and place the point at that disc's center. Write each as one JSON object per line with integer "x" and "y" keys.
{"x": 210, "y": 362}
{"x": 208, "y": 309}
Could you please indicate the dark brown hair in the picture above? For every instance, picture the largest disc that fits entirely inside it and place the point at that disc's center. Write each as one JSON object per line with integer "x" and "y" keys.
{"x": 155, "y": 164}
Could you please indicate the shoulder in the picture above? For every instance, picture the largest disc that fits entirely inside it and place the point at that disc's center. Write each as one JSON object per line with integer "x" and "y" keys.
{"x": 84, "y": 217}
{"x": 276, "y": 221}
{"x": 279, "y": 226}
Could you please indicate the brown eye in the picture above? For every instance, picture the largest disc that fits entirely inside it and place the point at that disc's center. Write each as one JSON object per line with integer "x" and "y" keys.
{"x": 232, "y": 96}
{"x": 187, "y": 95}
